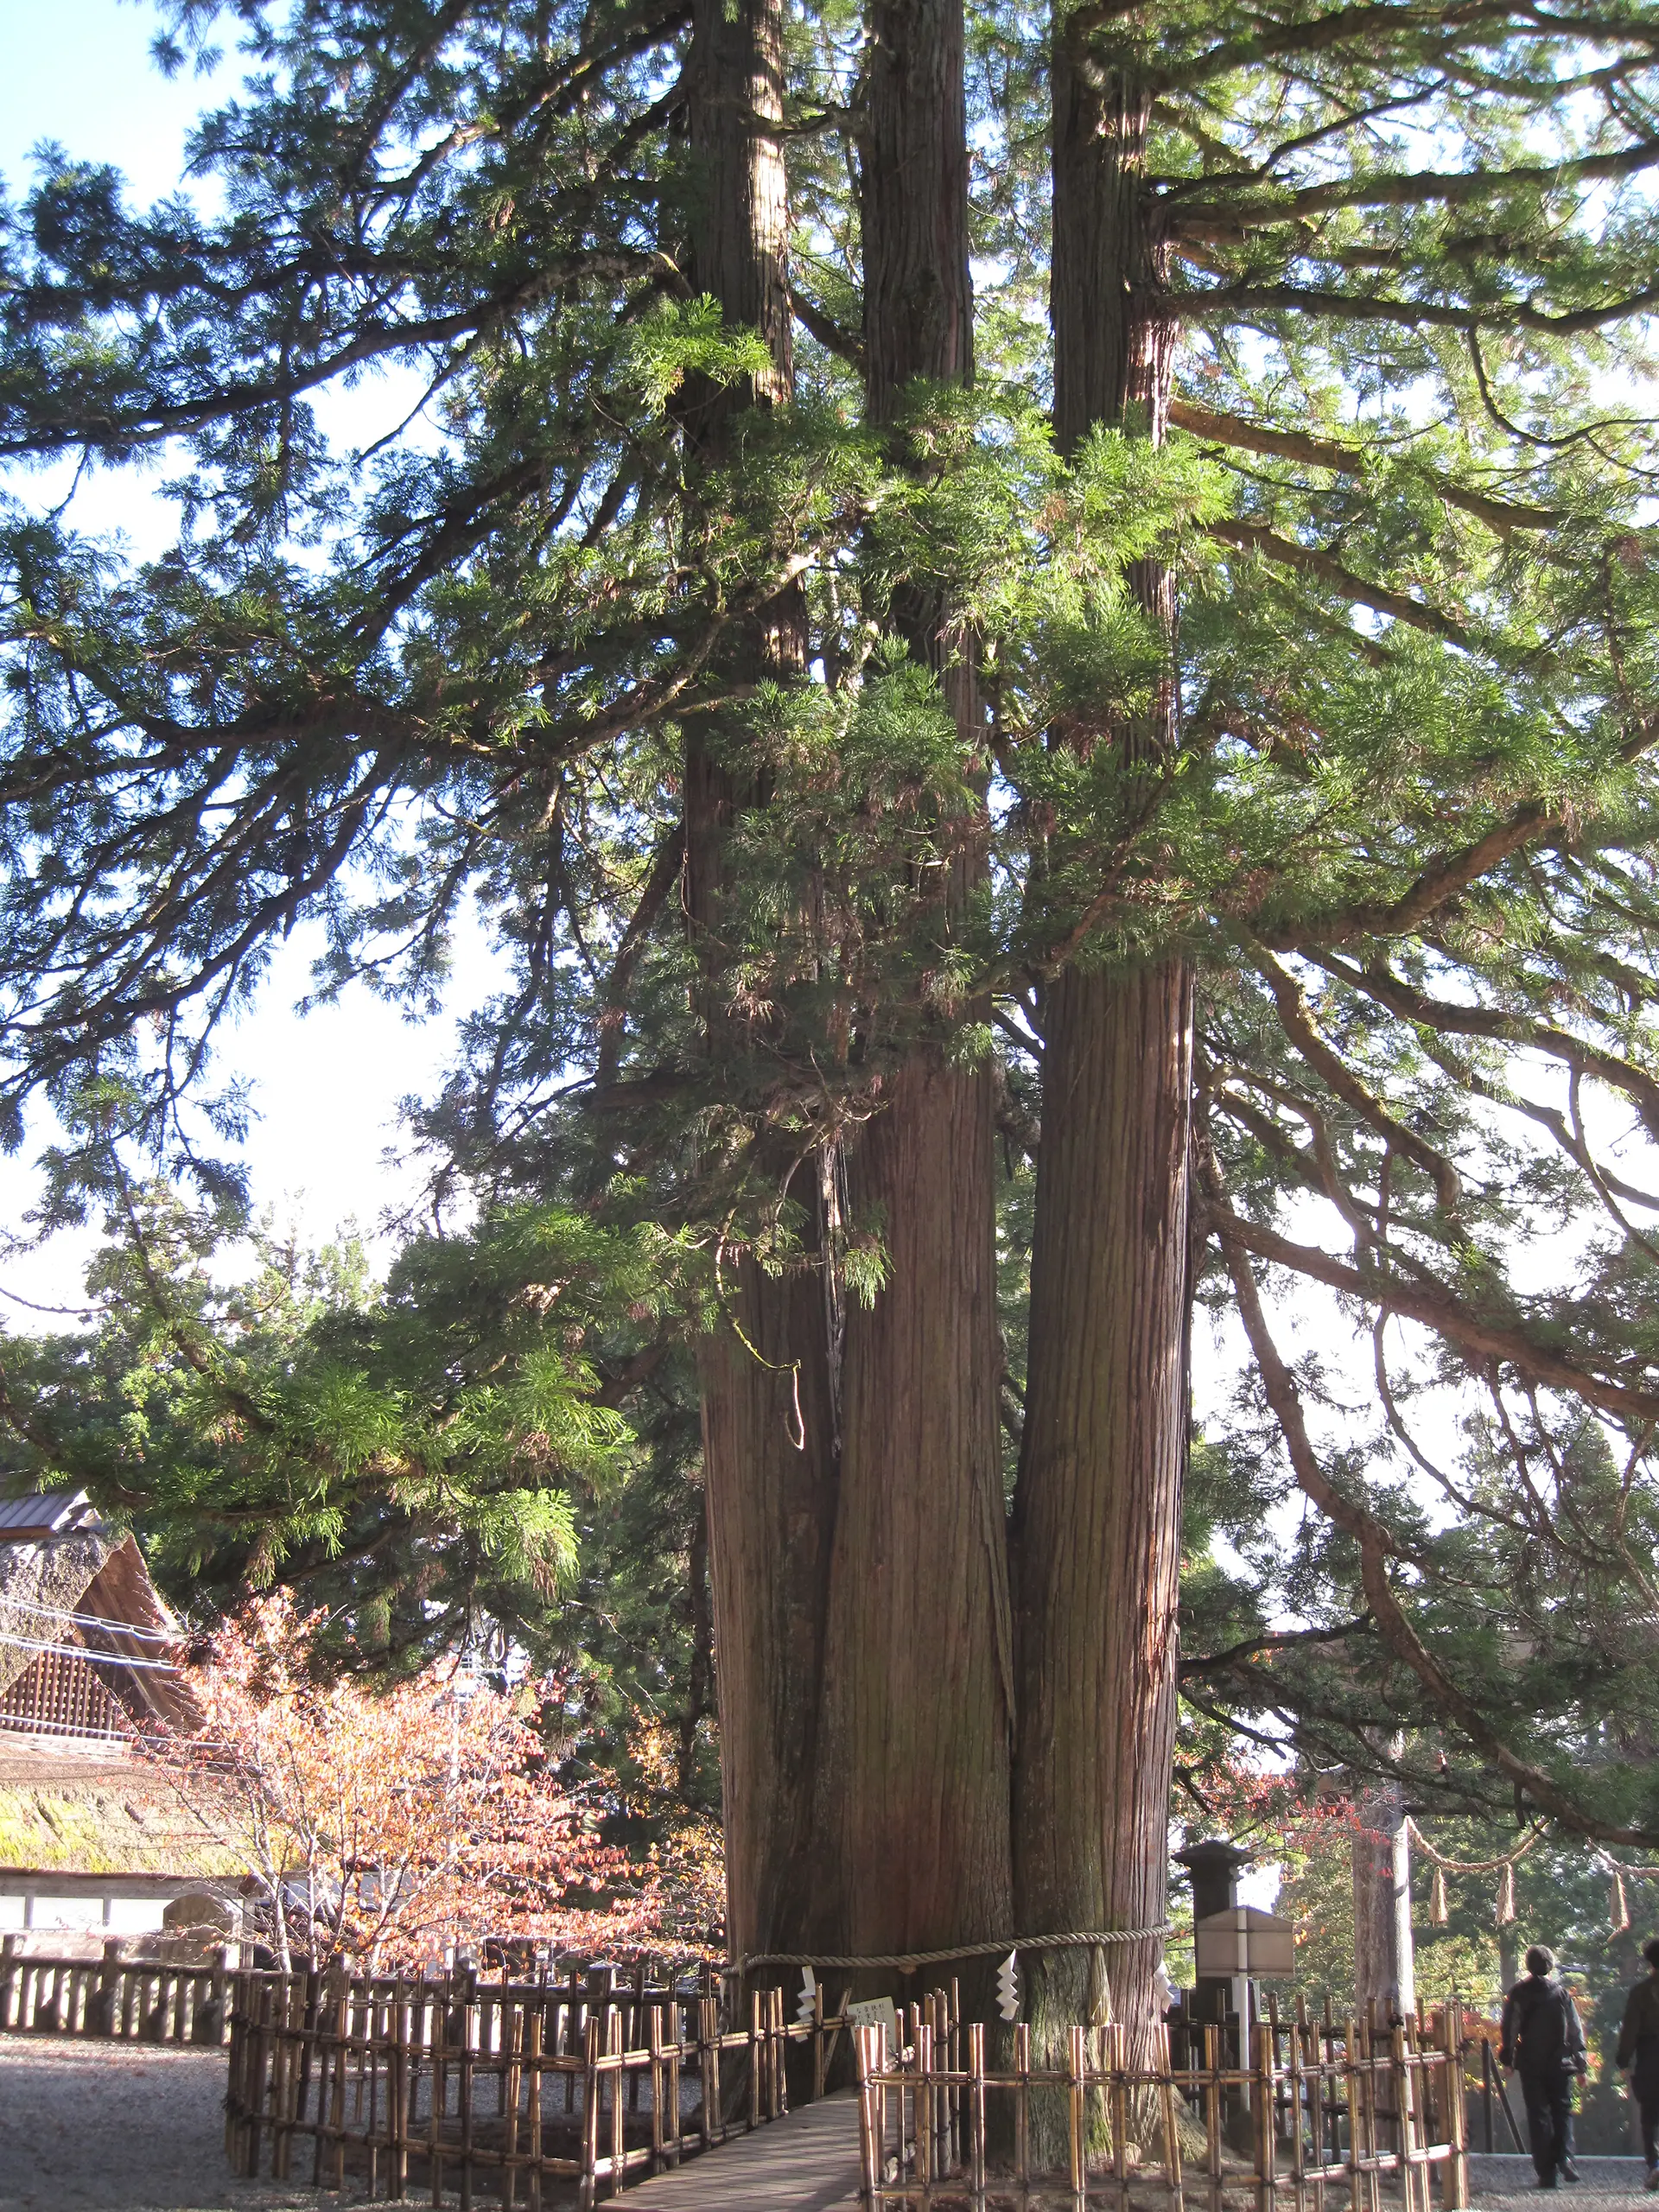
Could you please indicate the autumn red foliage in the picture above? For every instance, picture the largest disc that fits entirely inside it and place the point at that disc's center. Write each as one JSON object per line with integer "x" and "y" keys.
{"x": 391, "y": 1825}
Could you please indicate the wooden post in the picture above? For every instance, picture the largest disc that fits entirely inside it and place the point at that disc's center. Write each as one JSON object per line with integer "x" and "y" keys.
{"x": 1455, "y": 2187}
{"x": 1022, "y": 2102}
{"x": 464, "y": 2092}
{"x": 618, "y": 2102}
{"x": 658, "y": 2083}
{"x": 1212, "y": 2113}
{"x": 1298, "y": 2107}
{"x": 589, "y": 2115}
{"x": 871, "y": 2145}
{"x": 675, "y": 2051}
{"x": 535, "y": 2026}
{"x": 1076, "y": 2066}
{"x": 438, "y": 2027}
{"x": 511, "y": 2088}
{"x": 1264, "y": 2086}
{"x": 1170, "y": 2114}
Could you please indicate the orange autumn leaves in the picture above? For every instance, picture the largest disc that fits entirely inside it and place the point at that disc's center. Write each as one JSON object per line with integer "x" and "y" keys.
{"x": 391, "y": 1825}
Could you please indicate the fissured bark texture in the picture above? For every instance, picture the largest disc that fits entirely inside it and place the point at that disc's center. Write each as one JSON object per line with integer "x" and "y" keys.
{"x": 1104, "y": 1451}
{"x": 917, "y": 1679}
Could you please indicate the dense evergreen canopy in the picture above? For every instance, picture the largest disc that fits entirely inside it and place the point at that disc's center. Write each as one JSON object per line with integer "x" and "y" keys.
{"x": 1182, "y": 709}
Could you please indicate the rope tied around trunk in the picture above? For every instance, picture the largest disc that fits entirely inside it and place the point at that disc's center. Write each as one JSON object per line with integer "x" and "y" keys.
{"x": 909, "y": 1961}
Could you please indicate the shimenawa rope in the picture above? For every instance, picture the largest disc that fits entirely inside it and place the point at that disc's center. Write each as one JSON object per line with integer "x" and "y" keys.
{"x": 907, "y": 1962}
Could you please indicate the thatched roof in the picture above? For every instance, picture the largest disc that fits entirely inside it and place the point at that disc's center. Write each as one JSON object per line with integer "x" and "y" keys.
{"x": 105, "y": 1820}
{"x": 69, "y": 1583}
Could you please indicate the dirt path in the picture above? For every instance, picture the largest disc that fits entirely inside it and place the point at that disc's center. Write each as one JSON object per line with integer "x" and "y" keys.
{"x": 121, "y": 2127}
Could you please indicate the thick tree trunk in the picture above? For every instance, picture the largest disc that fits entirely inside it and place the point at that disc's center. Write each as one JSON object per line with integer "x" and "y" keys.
{"x": 1098, "y": 1509}
{"x": 1383, "y": 1958}
{"x": 918, "y": 1686}
{"x": 768, "y": 1424}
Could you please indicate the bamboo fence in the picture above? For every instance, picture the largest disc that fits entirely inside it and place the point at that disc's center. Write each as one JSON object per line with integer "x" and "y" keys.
{"x": 143, "y": 1999}
{"x": 1332, "y": 2114}
{"x": 534, "y": 2094}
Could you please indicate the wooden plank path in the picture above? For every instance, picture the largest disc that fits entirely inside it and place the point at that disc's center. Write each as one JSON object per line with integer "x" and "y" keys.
{"x": 805, "y": 2162}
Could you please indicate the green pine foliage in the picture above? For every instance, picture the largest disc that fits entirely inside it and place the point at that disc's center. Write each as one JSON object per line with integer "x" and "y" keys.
{"x": 1409, "y": 257}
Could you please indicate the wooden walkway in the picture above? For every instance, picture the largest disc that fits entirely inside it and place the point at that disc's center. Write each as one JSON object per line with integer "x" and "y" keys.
{"x": 805, "y": 2162}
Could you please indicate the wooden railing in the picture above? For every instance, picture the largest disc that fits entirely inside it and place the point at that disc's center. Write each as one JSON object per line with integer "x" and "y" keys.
{"x": 521, "y": 2091}
{"x": 1317, "y": 2105}
{"x": 145, "y": 1999}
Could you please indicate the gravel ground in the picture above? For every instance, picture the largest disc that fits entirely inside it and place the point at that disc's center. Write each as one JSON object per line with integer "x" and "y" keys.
{"x": 121, "y": 2127}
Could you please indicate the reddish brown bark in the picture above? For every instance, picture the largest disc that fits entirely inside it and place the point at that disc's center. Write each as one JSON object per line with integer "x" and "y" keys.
{"x": 1098, "y": 1509}
{"x": 916, "y": 1689}
{"x": 769, "y": 1467}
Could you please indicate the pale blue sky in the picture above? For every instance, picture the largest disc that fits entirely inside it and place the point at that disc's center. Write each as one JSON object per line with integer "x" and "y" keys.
{"x": 79, "y": 72}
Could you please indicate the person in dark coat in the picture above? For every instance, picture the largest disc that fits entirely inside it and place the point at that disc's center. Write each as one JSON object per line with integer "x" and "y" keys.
{"x": 1638, "y": 2049}
{"x": 1543, "y": 2043}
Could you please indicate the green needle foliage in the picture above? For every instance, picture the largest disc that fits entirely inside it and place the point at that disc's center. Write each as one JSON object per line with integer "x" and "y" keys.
{"x": 1400, "y": 262}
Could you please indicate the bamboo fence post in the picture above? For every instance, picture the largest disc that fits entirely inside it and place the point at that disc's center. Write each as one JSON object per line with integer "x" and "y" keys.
{"x": 1264, "y": 2085}
{"x": 1022, "y": 2106}
{"x": 1077, "y": 2085}
{"x": 1455, "y": 2190}
{"x": 1408, "y": 2087}
{"x": 658, "y": 2079}
{"x": 1351, "y": 2087}
{"x": 397, "y": 2103}
{"x": 973, "y": 2112}
{"x": 614, "y": 2050}
{"x": 325, "y": 2089}
{"x": 274, "y": 2077}
{"x": 512, "y": 2087}
{"x": 464, "y": 2097}
{"x": 676, "y": 2051}
{"x": 1114, "y": 2042}
{"x": 438, "y": 2096}
{"x": 233, "y": 2094}
{"x": 872, "y": 2135}
{"x": 1171, "y": 2115}
{"x": 9, "y": 1945}
{"x": 1298, "y": 2100}
{"x": 922, "y": 2103}
{"x": 264, "y": 1998}
{"x": 1212, "y": 2112}
{"x": 756, "y": 2057}
{"x": 718, "y": 2061}
{"x": 589, "y": 2115}
{"x": 535, "y": 2024}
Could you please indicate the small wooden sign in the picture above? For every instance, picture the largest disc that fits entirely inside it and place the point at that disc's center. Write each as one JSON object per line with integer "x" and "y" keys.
{"x": 876, "y": 2013}
{"x": 1243, "y": 1939}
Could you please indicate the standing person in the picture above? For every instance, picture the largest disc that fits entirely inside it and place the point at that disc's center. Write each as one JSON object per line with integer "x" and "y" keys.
{"x": 1543, "y": 2043}
{"x": 1638, "y": 2049}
